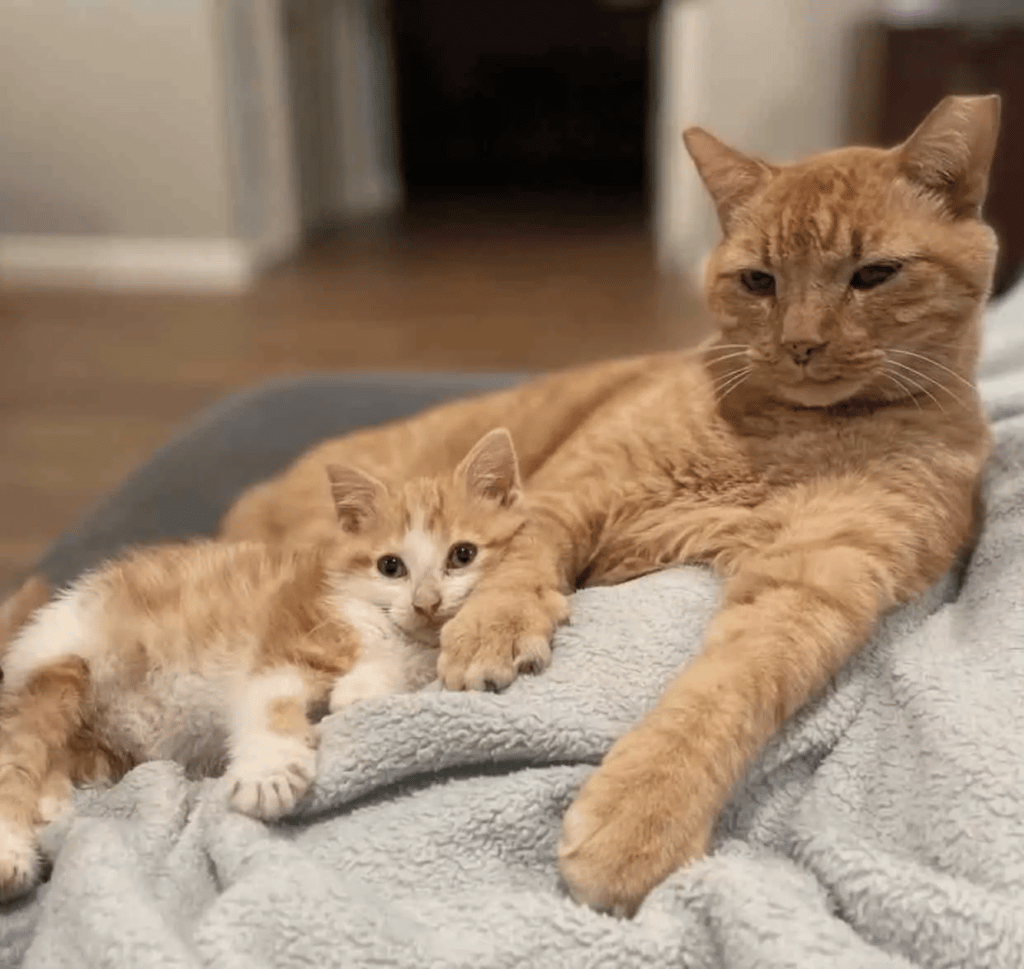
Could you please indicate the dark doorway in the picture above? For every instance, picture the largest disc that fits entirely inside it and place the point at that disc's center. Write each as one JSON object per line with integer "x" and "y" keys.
{"x": 535, "y": 96}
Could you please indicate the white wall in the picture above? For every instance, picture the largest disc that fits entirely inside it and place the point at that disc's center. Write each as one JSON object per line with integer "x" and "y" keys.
{"x": 110, "y": 120}
{"x": 143, "y": 141}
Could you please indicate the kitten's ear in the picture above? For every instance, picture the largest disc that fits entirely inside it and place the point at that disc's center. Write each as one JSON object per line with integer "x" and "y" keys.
{"x": 951, "y": 151}
{"x": 731, "y": 177}
{"x": 491, "y": 469}
{"x": 356, "y": 495}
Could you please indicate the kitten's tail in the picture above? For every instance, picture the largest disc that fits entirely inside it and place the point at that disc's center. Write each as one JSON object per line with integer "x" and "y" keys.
{"x": 18, "y": 607}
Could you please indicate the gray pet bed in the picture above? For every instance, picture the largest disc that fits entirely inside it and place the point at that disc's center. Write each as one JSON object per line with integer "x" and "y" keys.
{"x": 883, "y": 828}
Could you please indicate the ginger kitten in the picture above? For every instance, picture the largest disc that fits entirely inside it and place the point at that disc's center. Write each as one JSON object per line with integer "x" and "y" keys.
{"x": 216, "y": 655}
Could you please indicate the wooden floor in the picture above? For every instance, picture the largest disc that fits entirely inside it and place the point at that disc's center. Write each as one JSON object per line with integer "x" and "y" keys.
{"x": 91, "y": 383}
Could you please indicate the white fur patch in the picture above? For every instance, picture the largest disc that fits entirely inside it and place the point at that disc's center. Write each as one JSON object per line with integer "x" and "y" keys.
{"x": 389, "y": 662}
{"x": 423, "y": 553}
{"x": 375, "y": 675}
{"x": 371, "y": 623}
{"x": 365, "y": 681}
{"x": 67, "y": 626}
{"x": 456, "y": 587}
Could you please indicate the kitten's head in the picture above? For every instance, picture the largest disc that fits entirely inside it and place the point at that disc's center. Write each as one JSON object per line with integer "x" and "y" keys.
{"x": 417, "y": 550}
{"x": 855, "y": 274}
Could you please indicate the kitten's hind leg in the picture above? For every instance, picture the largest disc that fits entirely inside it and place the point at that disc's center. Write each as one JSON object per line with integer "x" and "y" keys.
{"x": 273, "y": 744}
{"x": 36, "y": 724}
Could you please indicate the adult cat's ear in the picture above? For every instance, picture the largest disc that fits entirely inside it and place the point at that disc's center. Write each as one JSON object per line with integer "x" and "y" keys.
{"x": 951, "y": 151}
{"x": 356, "y": 495}
{"x": 491, "y": 469}
{"x": 731, "y": 177}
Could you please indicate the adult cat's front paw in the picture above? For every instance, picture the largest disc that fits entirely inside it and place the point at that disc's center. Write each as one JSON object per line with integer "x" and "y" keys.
{"x": 19, "y": 860}
{"x": 270, "y": 779}
{"x": 638, "y": 818}
{"x": 495, "y": 637}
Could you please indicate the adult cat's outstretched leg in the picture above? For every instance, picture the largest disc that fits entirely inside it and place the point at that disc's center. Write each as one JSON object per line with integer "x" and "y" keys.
{"x": 37, "y": 722}
{"x": 794, "y": 611}
{"x": 273, "y": 744}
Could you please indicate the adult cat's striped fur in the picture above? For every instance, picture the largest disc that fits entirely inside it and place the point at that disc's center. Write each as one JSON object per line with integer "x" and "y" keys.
{"x": 822, "y": 455}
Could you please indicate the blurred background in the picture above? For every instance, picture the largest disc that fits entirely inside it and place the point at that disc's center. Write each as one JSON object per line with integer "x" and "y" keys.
{"x": 199, "y": 194}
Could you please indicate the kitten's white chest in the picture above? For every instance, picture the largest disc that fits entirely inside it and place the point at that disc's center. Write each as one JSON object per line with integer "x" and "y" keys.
{"x": 389, "y": 661}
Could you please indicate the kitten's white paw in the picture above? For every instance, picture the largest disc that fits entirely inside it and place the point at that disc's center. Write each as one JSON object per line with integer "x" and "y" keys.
{"x": 364, "y": 682}
{"x": 268, "y": 781}
{"x": 19, "y": 860}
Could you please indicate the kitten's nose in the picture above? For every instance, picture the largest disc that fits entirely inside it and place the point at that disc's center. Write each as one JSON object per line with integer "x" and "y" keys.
{"x": 802, "y": 350}
{"x": 426, "y": 604}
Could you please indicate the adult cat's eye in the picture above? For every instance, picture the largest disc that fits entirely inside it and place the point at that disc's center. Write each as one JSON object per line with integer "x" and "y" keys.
{"x": 461, "y": 554}
{"x": 757, "y": 282}
{"x": 391, "y": 566}
{"x": 868, "y": 277}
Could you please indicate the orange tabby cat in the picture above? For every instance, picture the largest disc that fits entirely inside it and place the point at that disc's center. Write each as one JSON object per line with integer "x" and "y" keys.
{"x": 212, "y": 652}
{"x": 822, "y": 455}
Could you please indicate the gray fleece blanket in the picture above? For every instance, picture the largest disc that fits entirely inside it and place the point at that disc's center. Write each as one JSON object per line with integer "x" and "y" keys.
{"x": 884, "y": 827}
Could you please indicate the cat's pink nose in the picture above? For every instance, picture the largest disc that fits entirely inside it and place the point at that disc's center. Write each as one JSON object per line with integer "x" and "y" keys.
{"x": 426, "y": 606}
{"x": 801, "y": 351}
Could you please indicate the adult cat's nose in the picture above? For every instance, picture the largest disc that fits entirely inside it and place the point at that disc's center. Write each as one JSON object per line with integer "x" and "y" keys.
{"x": 801, "y": 351}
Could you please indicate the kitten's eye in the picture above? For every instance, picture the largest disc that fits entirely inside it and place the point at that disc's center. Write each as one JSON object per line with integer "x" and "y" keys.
{"x": 461, "y": 555}
{"x": 868, "y": 277}
{"x": 757, "y": 282}
{"x": 391, "y": 566}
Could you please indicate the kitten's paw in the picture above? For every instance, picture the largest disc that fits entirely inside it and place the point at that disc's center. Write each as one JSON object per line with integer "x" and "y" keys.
{"x": 269, "y": 781}
{"x": 636, "y": 820}
{"x": 493, "y": 639}
{"x": 19, "y": 860}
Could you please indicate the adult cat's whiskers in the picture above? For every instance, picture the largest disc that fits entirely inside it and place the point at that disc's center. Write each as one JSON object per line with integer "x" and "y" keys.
{"x": 731, "y": 356}
{"x": 935, "y": 363}
{"x": 734, "y": 350}
{"x": 728, "y": 356}
{"x": 721, "y": 380}
{"x": 920, "y": 387}
{"x": 907, "y": 369}
{"x": 888, "y": 375}
{"x": 727, "y": 384}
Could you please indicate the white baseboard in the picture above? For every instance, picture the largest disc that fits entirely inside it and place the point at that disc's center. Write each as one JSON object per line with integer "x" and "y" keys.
{"x": 124, "y": 263}
{"x": 273, "y": 247}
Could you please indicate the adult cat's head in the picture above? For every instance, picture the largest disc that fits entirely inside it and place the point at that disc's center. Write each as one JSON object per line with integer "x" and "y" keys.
{"x": 418, "y": 549}
{"x": 857, "y": 274}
